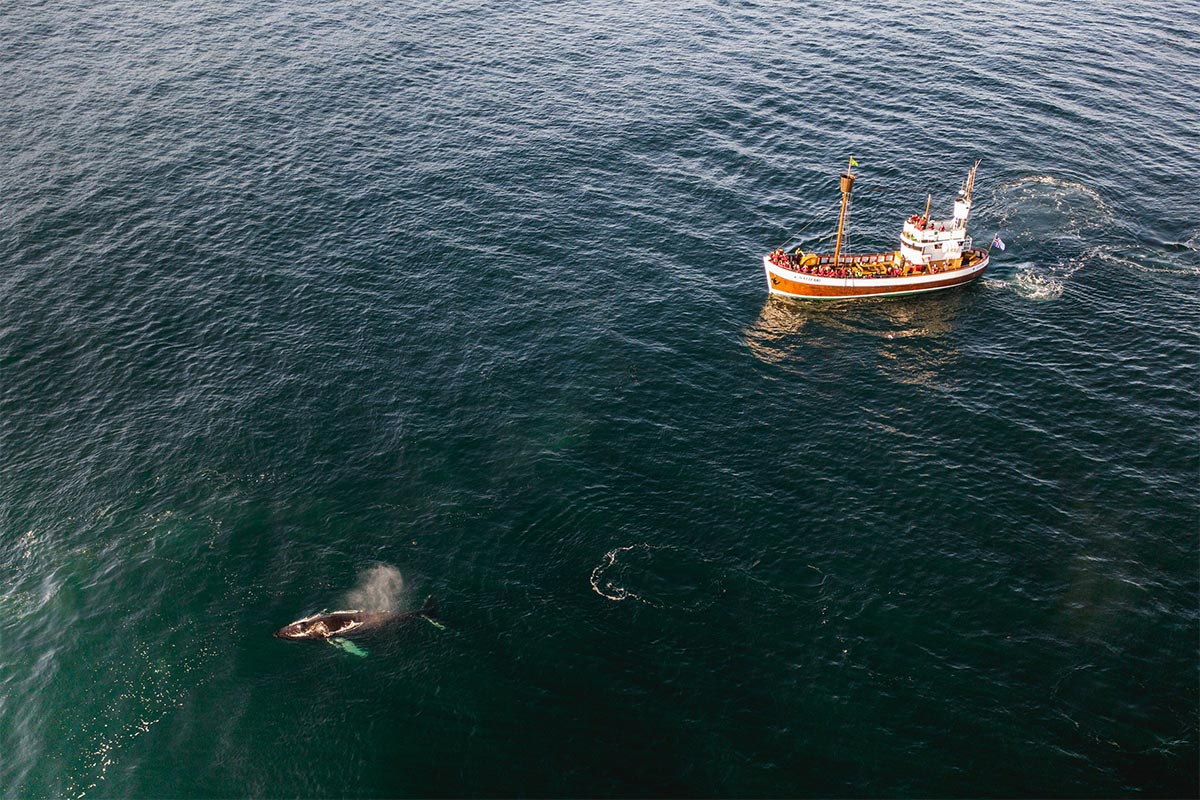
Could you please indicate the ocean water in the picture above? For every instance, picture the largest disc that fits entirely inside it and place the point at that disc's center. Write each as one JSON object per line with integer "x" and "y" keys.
{"x": 307, "y": 305}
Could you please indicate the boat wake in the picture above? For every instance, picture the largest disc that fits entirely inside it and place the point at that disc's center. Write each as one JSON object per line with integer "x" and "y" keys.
{"x": 1167, "y": 260}
{"x": 1054, "y": 217}
{"x": 1074, "y": 226}
{"x": 661, "y": 576}
{"x": 1042, "y": 207}
{"x": 1039, "y": 283}
{"x": 1037, "y": 286}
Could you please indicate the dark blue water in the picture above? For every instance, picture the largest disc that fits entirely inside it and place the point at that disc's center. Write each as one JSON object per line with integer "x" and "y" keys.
{"x": 313, "y": 305}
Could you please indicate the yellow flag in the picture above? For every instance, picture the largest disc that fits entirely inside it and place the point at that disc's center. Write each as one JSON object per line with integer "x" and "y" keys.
{"x": 853, "y": 163}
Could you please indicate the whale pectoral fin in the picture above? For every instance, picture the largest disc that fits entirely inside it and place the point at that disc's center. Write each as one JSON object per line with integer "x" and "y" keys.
{"x": 347, "y": 646}
{"x": 353, "y": 649}
{"x": 434, "y": 622}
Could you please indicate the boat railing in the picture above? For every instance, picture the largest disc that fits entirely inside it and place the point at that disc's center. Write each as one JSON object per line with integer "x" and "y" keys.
{"x": 934, "y": 233}
{"x": 794, "y": 261}
{"x": 886, "y": 261}
{"x": 850, "y": 260}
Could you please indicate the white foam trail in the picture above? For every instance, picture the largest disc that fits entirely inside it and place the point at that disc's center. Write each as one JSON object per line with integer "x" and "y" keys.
{"x": 1146, "y": 260}
{"x": 1033, "y": 286}
{"x": 379, "y": 589}
{"x": 657, "y": 580}
{"x": 611, "y": 591}
{"x": 1039, "y": 208}
{"x": 1058, "y": 183}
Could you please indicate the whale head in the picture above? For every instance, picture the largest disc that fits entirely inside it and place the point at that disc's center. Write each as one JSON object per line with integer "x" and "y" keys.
{"x": 321, "y": 626}
{"x": 307, "y": 628}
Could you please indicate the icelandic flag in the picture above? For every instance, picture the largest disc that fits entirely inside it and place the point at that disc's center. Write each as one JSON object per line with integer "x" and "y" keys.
{"x": 997, "y": 243}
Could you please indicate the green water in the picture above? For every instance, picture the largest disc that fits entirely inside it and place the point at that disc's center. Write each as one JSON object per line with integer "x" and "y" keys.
{"x": 306, "y": 306}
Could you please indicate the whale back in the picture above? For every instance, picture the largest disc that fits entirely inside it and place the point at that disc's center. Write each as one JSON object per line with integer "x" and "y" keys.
{"x": 329, "y": 624}
{"x": 334, "y": 623}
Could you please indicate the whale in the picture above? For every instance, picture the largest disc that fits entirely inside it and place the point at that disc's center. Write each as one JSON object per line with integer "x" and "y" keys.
{"x": 336, "y": 627}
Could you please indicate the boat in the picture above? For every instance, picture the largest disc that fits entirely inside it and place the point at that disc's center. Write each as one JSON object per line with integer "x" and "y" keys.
{"x": 934, "y": 254}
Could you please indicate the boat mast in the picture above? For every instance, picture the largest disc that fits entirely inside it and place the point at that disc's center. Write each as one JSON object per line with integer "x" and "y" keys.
{"x": 847, "y": 185}
{"x": 928, "y": 202}
{"x": 971, "y": 181}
